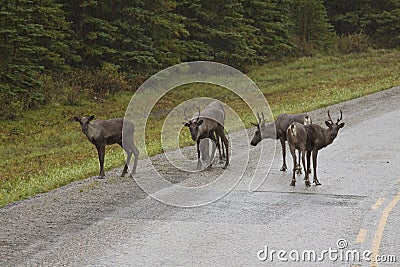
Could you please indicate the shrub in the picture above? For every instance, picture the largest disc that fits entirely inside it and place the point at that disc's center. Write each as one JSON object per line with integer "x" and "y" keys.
{"x": 108, "y": 80}
{"x": 102, "y": 82}
{"x": 354, "y": 43}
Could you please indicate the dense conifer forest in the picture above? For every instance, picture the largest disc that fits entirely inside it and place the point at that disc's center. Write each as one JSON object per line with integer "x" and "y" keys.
{"x": 54, "y": 50}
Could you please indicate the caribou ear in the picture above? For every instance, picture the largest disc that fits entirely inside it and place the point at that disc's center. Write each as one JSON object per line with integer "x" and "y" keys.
{"x": 186, "y": 124}
{"x": 77, "y": 119}
{"x": 341, "y": 125}
{"x": 91, "y": 118}
{"x": 200, "y": 122}
{"x": 328, "y": 123}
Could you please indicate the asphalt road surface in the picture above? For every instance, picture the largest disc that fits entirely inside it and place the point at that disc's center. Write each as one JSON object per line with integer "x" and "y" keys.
{"x": 347, "y": 221}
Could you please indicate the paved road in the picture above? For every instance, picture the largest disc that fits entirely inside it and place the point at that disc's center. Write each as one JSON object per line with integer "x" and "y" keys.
{"x": 112, "y": 222}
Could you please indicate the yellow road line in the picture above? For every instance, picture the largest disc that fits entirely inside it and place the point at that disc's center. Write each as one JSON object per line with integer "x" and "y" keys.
{"x": 361, "y": 236}
{"x": 378, "y": 203}
{"x": 376, "y": 242}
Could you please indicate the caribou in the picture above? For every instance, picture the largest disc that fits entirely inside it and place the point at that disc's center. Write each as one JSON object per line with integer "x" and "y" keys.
{"x": 107, "y": 132}
{"x": 309, "y": 139}
{"x": 209, "y": 124}
{"x": 205, "y": 149}
{"x": 277, "y": 130}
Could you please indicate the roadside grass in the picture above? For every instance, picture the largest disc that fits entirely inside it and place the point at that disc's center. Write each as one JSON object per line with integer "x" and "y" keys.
{"x": 45, "y": 148}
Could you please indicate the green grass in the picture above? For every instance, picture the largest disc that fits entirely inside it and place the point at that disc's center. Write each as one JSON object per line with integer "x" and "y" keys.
{"x": 45, "y": 148}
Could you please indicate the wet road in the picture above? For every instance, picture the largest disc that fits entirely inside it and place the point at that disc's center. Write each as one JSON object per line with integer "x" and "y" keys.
{"x": 354, "y": 212}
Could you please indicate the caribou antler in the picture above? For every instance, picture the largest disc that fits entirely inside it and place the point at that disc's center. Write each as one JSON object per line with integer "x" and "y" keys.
{"x": 198, "y": 116}
{"x": 184, "y": 114}
{"x": 258, "y": 118}
{"x": 341, "y": 115}
{"x": 186, "y": 117}
{"x": 329, "y": 116}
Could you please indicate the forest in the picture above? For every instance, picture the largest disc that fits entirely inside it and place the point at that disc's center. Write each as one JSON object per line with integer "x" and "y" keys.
{"x": 55, "y": 50}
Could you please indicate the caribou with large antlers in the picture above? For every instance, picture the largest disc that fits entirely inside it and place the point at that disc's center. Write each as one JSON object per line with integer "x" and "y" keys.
{"x": 208, "y": 124}
{"x": 309, "y": 139}
{"x": 277, "y": 130}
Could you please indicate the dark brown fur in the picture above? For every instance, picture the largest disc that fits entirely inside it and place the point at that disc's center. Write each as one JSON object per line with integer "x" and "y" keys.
{"x": 277, "y": 130}
{"x": 309, "y": 139}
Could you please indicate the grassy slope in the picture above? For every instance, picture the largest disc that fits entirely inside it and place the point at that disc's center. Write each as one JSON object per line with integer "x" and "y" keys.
{"x": 45, "y": 149}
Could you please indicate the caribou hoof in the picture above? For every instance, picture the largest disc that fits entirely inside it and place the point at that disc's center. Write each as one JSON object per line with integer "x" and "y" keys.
{"x": 284, "y": 168}
{"x": 308, "y": 183}
{"x": 298, "y": 171}
{"x": 101, "y": 177}
{"x": 317, "y": 183}
{"x": 293, "y": 183}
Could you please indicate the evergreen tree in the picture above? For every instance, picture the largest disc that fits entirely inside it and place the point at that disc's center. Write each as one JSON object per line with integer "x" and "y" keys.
{"x": 387, "y": 32}
{"x": 379, "y": 20}
{"x": 311, "y": 26}
{"x": 195, "y": 46}
{"x": 32, "y": 35}
{"x": 19, "y": 65}
{"x": 136, "y": 52}
{"x": 345, "y": 15}
{"x": 165, "y": 28}
{"x": 272, "y": 23}
{"x": 221, "y": 28}
{"x": 142, "y": 36}
{"x": 94, "y": 33}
